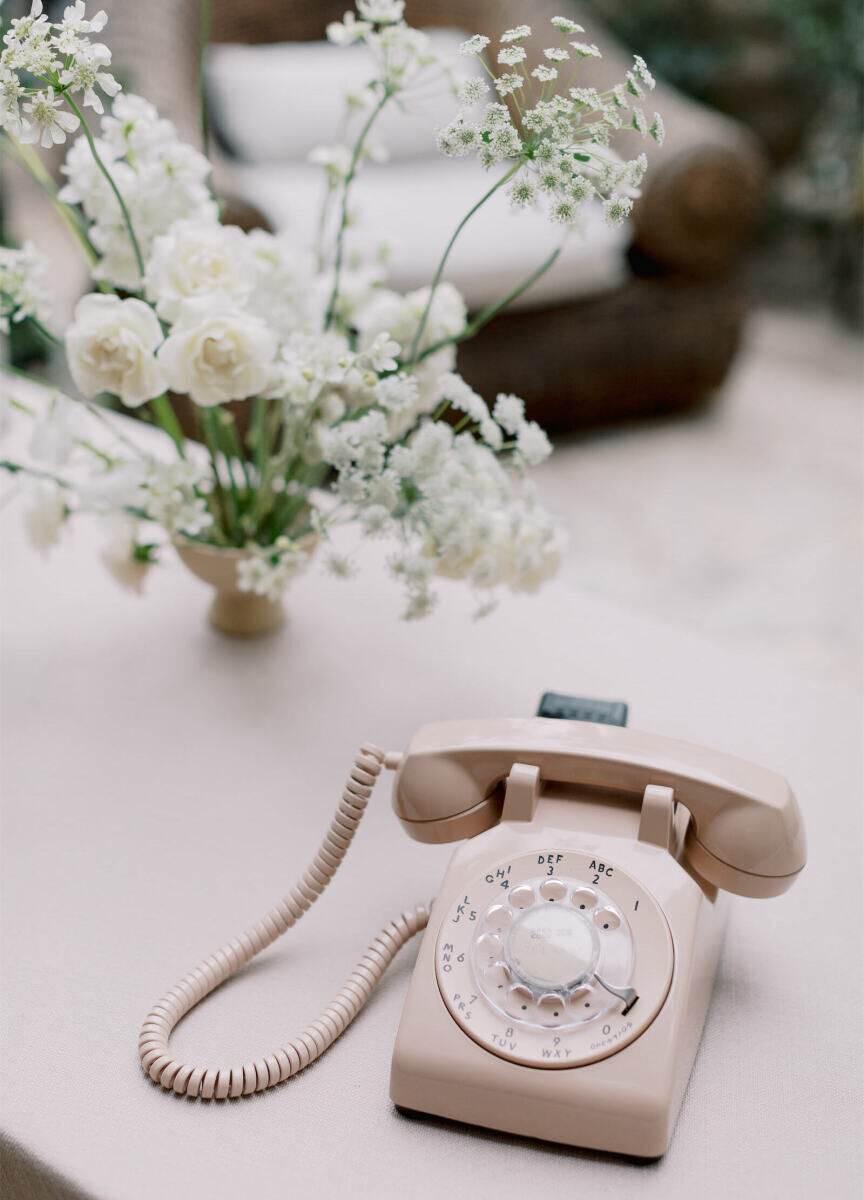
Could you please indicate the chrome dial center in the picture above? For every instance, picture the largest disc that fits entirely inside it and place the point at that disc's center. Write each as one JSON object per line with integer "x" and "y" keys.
{"x": 550, "y": 946}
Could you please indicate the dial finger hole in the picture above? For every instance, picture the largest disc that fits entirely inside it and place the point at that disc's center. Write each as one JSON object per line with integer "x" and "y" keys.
{"x": 497, "y": 976}
{"x": 489, "y": 947}
{"x": 553, "y": 890}
{"x": 606, "y": 920}
{"x": 581, "y": 1003}
{"x": 522, "y": 897}
{"x": 583, "y": 898}
{"x": 552, "y": 1010}
{"x": 498, "y": 917}
{"x": 520, "y": 1003}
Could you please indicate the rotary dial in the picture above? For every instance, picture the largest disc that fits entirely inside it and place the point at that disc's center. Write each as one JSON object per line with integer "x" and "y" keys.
{"x": 554, "y": 969}
{"x": 543, "y": 953}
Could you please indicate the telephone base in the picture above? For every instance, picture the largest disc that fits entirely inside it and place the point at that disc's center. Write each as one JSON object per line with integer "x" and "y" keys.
{"x": 414, "y": 1114}
{"x": 625, "y": 1103}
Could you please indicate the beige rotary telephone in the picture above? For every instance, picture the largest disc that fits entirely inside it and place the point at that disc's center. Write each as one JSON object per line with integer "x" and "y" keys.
{"x": 563, "y": 980}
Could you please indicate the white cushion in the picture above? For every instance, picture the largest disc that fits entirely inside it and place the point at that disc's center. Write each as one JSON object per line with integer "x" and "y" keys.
{"x": 414, "y": 206}
{"x": 276, "y": 103}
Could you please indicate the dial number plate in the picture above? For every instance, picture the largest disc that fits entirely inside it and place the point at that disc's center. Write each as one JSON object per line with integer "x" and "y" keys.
{"x": 540, "y": 958}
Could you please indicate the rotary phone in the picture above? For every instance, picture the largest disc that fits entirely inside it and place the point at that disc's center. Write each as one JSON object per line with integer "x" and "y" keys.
{"x": 566, "y": 969}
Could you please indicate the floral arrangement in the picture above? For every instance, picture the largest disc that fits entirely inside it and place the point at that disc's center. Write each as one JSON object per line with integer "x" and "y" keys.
{"x": 355, "y": 410}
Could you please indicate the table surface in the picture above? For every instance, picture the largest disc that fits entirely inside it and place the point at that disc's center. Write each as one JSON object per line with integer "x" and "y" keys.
{"x": 164, "y": 785}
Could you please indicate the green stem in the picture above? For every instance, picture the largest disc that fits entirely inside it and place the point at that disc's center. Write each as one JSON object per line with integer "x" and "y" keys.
{"x": 45, "y": 333}
{"x": 235, "y": 449}
{"x": 110, "y": 180}
{"x": 30, "y": 162}
{"x": 413, "y": 356}
{"x": 492, "y": 310}
{"x": 226, "y": 503}
{"x": 343, "y": 220}
{"x": 18, "y": 468}
{"x": 95, "y": 411}
{"x": 206, "y": 21}
{"x": 166, "y": 419}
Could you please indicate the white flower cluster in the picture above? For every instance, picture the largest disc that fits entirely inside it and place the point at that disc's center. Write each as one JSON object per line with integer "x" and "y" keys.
{"x": 401, "y": 54}
{"x": 460, "y": 511}
{"x": 22, "y": 289}
{"x": 84, "y": 465}
{"x": 267, "y": 571}
{"x": 349, "y": 378}
{"x": 559, "y": 143}
{"x": 161, "y": 179}
{"x": 66, "y": 64}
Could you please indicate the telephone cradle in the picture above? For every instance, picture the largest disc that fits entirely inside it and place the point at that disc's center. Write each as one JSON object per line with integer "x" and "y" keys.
{"x": 567, "y": 963}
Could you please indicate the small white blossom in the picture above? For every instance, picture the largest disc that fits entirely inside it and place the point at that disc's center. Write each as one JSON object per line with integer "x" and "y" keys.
{"x": 658, "y": 129}
{"x": 381, "y": 12}
{"x": 72, "y": 30}
{"x": 48, "y": 123}
{"x": 86, "y": 73}
{"x": 640, "y": 69}
{"x": 509, "y": 412}
{"x": 511, "y": 55}
{"x": 633, "y": 86}
{"x": 638, "y": 122}
{"x": 617, "y": 208}
{"x": 267, "y": 570}
{"x": 170, "y": 494}
{"x": 544, "y": 73}
{"x": 566, "y": 25}
{"x": 522, "y": 193}
{"x": 556, "y": 54}
{"x": 473, "y": 91}
{"x": 474, "y": 45}
{"x": 22, "y": 288}
{"x": 532, "y": 443}
{"x": 381, "y": 355}
{"x": 347, "y": 31}
{"x": 395, "y": 393}
{"x": 584, "y": 50}
{"x": 506, "y": 85}
{"x": 517, "y": 34}
{"x": 458, "y": 138}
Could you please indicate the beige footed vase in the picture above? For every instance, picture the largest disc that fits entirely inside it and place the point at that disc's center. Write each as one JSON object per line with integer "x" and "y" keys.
{"x": 232, "y": 611}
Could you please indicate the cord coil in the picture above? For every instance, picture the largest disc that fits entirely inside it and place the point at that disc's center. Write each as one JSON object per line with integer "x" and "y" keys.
{"x": 219, "y": 1083}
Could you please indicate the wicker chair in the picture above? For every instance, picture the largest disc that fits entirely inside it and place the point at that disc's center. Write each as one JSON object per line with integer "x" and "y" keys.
{"x": 659, "y": 343}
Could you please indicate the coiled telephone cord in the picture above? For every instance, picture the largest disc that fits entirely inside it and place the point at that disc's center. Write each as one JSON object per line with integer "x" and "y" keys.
{"x": 218, "y": 1083}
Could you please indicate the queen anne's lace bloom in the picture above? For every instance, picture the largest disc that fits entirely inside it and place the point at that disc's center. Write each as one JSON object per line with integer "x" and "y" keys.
{"x": 511, "y": 55}
{"x": 561, "y": 145}
{"x": 474, "y": 45}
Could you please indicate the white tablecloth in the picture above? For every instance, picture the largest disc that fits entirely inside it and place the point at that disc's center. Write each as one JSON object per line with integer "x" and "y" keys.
{"x": 164, "y": 785}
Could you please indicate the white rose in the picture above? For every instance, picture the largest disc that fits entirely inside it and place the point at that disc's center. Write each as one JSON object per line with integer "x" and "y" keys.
{"x": 109, "y": 348}
{"x": 216, "y": 353}
{"x": 195, "y": 259}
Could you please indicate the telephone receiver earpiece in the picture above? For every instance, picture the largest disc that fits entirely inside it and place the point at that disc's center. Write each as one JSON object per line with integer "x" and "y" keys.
{"x": 746, "y": 834}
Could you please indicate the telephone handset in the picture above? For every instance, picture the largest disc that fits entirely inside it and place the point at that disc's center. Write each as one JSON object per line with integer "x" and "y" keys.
{"x": 563, "y": 981}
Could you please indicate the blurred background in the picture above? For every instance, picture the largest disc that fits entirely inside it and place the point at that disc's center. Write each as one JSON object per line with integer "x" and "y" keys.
{"x": 701, "y": 370}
